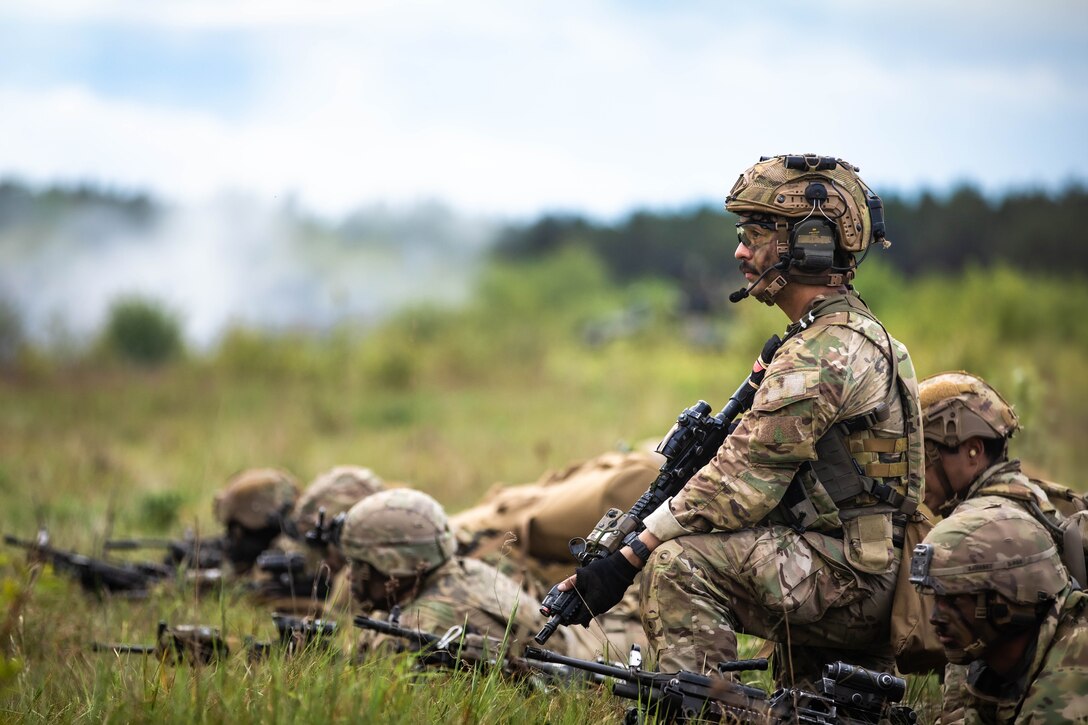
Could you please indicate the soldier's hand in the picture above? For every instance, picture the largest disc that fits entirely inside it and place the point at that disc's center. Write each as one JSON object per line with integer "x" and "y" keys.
{"x": 601, "y": 585}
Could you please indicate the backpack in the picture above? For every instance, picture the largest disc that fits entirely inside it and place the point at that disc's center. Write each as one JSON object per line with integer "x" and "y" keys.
{"x": 914, "y": 640}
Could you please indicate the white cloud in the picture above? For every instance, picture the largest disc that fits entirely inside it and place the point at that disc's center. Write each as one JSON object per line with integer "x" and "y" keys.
{"x": 511, "y": 108}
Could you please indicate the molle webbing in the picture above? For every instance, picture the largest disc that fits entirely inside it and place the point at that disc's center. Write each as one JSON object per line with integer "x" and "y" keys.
{"x": 842, "y": 476}
{"x": 836, "y": 469}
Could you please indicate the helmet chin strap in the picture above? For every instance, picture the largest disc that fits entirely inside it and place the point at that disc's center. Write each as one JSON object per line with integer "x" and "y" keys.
{"x": 773, "y": 288}
{"x": 968, "y": 654}
{"x": 952, "y": 498}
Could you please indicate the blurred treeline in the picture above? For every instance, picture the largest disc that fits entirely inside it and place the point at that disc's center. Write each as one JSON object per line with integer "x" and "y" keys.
{"x": 1031, "y": 231}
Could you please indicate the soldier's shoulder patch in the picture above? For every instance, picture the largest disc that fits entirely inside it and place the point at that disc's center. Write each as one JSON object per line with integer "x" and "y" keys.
{"x": 789, "y": 384}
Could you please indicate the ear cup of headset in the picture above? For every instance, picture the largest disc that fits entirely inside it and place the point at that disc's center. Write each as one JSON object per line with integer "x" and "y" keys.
{"x": 812, "y": 245}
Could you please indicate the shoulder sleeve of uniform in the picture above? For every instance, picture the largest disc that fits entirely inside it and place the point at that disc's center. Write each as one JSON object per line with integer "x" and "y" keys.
{"x": 800, "y": 397}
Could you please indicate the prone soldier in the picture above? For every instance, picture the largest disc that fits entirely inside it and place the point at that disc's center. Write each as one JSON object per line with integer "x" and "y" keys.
{"x": 402, "y": 553}
{"x": 329, "y": 495}
{"x": 1006, "y": 611}
{"x": 968, "y": 426}
{"x": 254, "y": 510}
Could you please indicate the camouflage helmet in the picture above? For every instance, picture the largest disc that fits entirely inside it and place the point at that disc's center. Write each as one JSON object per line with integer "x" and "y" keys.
{"x": 957, "y": 406}
{"x": 336, "y": 491}
{"x": 256, "y": 498}
{"x": 997, "y": 548}
{"x": 779, "y": 185}
{"x": 399, "y": 532}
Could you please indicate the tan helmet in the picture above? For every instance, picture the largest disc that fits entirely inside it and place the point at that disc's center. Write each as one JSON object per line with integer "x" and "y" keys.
{"x": 256, "y": 498}
{"x": 782, "y": 186}
{"x": 957, "y": 406}
{"x": 998, "y": 548}
{"x": 399, "y": 532}
{"x": 336, "y": 491}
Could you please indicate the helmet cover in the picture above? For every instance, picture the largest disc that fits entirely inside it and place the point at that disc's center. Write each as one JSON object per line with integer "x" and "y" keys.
{"x": 256, "y": 498}
{"x": 957, "y": 406}
{"x": 336, "y": 491}
{"x": 996, "y": 548}
{"x": 399, "y": 532}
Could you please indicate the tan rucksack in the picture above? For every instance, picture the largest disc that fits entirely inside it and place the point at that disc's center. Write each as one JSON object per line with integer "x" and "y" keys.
{"x": 914, "y": 640}
{"x": 539, "y": 519}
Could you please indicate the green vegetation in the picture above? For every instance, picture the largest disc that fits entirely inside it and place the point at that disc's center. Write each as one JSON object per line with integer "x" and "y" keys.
{"x": 555, "y": 358}
{"x": 142, "y": 331}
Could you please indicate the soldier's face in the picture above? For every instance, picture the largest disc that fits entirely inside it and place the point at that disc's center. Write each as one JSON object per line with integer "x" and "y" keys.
{"x": 952, "y": 469}
{"x": 244, "y": 545}
{"x": 757, "y": 248}
{"x": 371, "y": 587}
{"x": 957, "y": 627}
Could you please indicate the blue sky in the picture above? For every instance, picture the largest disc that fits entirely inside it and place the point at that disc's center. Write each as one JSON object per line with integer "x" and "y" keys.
{"x": 513, "y": 108}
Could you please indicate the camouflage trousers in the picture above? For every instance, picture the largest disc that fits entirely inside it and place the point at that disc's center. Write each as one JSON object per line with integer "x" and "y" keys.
{"x": 699, "y": 591}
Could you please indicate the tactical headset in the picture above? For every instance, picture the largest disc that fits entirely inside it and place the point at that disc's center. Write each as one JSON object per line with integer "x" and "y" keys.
{"x": 808, "y": 256}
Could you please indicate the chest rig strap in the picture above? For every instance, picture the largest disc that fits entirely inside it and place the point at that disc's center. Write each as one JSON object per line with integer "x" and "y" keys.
{"x": 835, "y": 467}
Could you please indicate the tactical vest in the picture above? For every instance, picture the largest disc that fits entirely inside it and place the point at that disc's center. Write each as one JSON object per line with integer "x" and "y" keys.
{"x": 866, "y": 477}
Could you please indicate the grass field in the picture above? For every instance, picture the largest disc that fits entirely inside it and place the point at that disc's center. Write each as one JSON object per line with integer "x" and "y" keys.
{"x": 449, "y": 402}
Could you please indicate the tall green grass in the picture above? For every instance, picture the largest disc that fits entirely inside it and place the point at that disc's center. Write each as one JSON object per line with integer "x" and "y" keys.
{"x": 450, "y": 401}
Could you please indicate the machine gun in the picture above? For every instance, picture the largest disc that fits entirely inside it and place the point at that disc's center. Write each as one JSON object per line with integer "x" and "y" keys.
{"x": 94, "y": 575}
{"x": 691, "y": 443}
{"x": 289, "y": 577}
{"x": 458, "y": 649}
{"x": 195, "y": 644}
{"x": 850, "y": 695}
{"x": 295, "y": 635}
{"x": 190, "y": 552}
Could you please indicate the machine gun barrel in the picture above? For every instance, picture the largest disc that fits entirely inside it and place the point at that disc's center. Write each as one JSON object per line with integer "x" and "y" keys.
{"x": 94, "y": 575}
{"x": 192, "y": 552}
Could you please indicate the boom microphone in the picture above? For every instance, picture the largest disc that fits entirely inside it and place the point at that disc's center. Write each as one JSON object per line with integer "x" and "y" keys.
{"x": 745, "y": 291}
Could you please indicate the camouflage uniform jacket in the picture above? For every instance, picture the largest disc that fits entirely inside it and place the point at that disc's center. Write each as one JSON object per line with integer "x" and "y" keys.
{"x": 1001, "y": 484}
{"x": 1005, "y": 480}
{"x": 1053, "y": 688}
{"x": 466, "y": 593}
{"x": 833, "y": 366}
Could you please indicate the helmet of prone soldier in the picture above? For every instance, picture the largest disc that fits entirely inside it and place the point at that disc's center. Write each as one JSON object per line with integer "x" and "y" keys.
{"x": 399, "y": 532}
{"x": 831, "y": 214}
{"x": 957, "y": 406}
{"x": 335, "y": 491}
{"x": 257, "y": 498}
{"x": 998, "y": 548}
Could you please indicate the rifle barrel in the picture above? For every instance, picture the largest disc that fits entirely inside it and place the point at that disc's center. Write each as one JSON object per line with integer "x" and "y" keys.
{"x": 619, "y": 673}
{"x": 135, "y": 544}
{"x": 140, "y": 649}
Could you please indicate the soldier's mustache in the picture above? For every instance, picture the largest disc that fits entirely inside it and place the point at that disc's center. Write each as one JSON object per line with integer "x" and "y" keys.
{"x": 746, "y": 268}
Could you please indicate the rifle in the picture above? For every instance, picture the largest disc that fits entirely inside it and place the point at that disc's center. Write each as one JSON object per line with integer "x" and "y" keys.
{"x": 849, "y": 695}
{"x": 692, "y": 442}
{"x": 325, "y": 533}
{"x": 295, "y": 635}
{"x": 190, "y": 552}
{"x": 289, "y": 577}
{"x": 196, "y": 644}
{"x": 458, "y": 649}
{"x": 94, "y": 575}
{"x": 201, "y": 645}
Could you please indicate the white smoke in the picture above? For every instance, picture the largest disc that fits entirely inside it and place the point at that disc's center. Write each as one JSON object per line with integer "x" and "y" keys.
{"x": 236, "y": 261}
